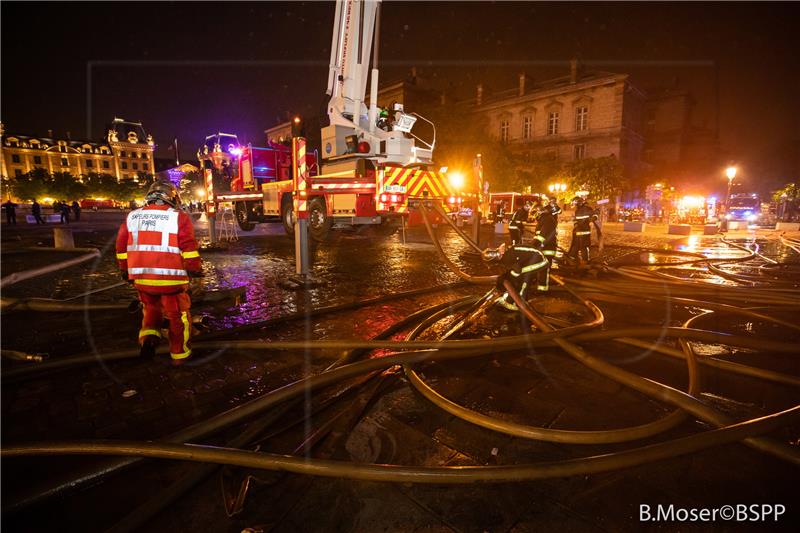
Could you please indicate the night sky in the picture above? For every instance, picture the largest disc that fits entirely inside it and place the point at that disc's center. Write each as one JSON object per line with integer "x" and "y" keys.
{"x": 190, "y": 69}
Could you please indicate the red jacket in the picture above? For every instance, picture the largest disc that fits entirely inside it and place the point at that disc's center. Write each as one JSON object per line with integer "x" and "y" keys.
{"x": 156, "y": 246}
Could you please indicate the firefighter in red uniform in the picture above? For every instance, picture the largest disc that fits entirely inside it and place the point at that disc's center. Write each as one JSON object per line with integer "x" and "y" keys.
{"x": 157, "y": 252}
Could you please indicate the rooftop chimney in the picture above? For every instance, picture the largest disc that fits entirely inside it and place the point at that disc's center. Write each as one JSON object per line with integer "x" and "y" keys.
{"x": 525, "y": 83}
{"x": 573, "y": 70}
{"x": 479, "y": 94}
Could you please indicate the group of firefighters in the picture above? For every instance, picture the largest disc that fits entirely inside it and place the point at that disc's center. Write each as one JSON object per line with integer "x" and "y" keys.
{"x": 158, "y": 254}
{"x": 529, "y": 263}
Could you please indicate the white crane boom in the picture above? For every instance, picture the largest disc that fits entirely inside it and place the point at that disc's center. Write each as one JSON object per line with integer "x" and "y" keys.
{"x": 352, "y": 45}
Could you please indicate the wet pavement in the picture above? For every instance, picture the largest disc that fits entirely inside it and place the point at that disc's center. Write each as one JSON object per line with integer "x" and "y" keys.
{"x": 393, "y": 424}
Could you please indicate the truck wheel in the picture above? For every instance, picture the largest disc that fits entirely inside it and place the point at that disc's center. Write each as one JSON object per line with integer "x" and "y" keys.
{"x": 319, "y": 223}
{"x": 242, "y": 217}
{"x": 287, "y": 216}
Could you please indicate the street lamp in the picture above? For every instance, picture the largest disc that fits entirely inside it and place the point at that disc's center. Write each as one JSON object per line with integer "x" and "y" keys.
{"x": 731, "y": 173}
{"x": 556, "y": 188}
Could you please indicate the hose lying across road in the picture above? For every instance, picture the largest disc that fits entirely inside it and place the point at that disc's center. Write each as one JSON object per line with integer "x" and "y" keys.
{"x": 635, "y": 286}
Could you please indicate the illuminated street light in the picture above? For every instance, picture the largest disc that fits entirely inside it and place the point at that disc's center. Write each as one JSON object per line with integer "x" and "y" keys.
{"x": 730, "y": 172}
{"x": 456, "y": 180}
{"x": 557, "y": 187}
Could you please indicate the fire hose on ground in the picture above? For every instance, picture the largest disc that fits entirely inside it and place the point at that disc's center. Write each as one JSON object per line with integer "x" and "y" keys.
{"x": 728, "y": 432}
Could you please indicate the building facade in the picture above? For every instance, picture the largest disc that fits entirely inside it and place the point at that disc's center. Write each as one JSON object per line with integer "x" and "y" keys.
{"x": 583, "y": 115}
{"x": 126, "y": 151}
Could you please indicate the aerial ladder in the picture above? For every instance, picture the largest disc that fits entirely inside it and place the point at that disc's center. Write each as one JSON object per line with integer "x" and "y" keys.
{"x": 370, "y": 167}
{"x": 356, "y": 31}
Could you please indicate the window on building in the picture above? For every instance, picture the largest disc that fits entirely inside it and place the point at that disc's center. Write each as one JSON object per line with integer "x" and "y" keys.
{"x": 105, "y": 164}
{"x": 37, "y": 160}
{"x": 124, "y": 165}
{"x": 135, "y": 166}
{"x": 579, "y": 151}
{"x": 89, "y": 163}
{"x": 527, "y": 127}
{"x": 552, "y": 123}
{"x": 504, "y": 131}
{"x": 146, "y": 166}
{"x": 581, "y": 118}
{"x": 122, "y": 154}
{"x": 64, "y": 162}
{"x": 17, "y": 172}
{"x": 15, "y": 158}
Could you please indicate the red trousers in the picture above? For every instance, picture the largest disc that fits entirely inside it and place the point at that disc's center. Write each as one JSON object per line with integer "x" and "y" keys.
{"x": 174, "y": 307}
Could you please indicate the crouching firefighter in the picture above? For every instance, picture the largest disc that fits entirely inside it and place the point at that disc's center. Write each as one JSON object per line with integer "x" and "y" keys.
{"x": 525, "y": 263}
{"x": 157, "y": 252}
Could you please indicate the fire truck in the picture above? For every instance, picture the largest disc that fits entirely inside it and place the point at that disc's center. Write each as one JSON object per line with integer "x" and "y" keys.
{"x": 372, "y": 168}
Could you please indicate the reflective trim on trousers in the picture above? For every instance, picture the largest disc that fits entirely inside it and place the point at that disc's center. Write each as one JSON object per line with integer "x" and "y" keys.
{"x": 502, "y": 300}
{"x": 183, "y": 355}
{"x": 537, "y": 266}
{"x": 515, "y": 274}
{"x": 549, "y": 252}
{"x": 146, "y": 332}
{"x": 540, "y": 238}
{"x": 543, "y": 288}
{"x": 583, "y": 233}
{"x": 582, "y": 217}
{"x": 187, "y": 332}
{"x": 157, "y": 271}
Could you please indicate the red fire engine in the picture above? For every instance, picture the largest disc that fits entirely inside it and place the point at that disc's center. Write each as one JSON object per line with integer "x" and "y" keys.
{"x": 373, "y": 169}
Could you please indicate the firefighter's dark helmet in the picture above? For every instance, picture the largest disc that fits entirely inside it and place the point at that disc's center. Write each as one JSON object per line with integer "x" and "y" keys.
{"x": 163, "y": 192}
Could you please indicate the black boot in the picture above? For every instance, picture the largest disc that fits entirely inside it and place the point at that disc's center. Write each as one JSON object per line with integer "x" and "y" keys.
{"x": 149, "y": 344}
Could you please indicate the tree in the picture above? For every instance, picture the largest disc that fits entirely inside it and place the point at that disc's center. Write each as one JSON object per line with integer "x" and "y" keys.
{"x": 33, "y": 184}
{"x": 601, "y": 176}
{"x": 127, "y": 190}
{"x": 460, "y": 136}
{"x": 789, "y": 192}
{"x": 64, "y": 186}
{"x": 100, "y": 185}
{"x": 190, "y": 182}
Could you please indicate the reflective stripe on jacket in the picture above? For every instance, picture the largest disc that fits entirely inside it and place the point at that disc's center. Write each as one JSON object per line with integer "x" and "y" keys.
{"x": 156, "y": 246}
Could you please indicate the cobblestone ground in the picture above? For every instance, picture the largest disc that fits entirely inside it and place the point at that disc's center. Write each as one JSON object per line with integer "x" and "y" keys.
{"x": 137, "y": 399}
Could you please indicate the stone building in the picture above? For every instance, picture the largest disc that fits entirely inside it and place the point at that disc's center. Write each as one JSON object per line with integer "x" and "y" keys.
{"x": 675, "y": 148}
{"x": 582, "y": 115}
{"x": 126, "y": 151}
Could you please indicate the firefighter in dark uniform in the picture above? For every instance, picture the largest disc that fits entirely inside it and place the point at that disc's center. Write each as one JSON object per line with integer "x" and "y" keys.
{"x": 525, "y": 263}
{"x": 581, "y": 232}
{"x": 554, "y": 207}
{"x": 516, "y": 226}
{"x": 546, "y": 240}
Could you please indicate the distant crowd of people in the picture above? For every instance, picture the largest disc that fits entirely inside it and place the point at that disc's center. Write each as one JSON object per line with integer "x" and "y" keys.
{"x": 62, "y": 208}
